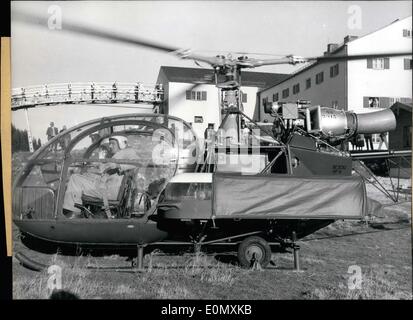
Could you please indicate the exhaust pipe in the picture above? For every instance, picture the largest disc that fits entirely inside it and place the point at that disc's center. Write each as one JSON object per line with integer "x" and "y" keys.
{"x": 376, "y": 122}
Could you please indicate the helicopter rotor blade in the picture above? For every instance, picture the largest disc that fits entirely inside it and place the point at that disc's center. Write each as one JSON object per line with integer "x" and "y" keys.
{"x": 82, "y": 29}
{"x": 253, "y": 63}
{"x": 71, "y": 26}
{"x": 359, "y": 56}
{"x": 214, "y": 61}
{"x": 183, "y": 91}
{"x": 207, "y": 79}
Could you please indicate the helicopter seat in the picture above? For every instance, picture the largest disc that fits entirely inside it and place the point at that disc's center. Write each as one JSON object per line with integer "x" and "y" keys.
{"x": 120, "y": 207}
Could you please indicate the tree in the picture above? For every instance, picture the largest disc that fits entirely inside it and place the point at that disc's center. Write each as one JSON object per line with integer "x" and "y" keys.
{"x": 20, "y": 140}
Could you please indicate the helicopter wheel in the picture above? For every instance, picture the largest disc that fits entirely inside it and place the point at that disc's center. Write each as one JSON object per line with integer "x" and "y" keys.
{"x": 252, "y": 250}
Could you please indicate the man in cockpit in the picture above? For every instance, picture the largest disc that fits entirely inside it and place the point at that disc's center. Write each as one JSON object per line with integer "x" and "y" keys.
{"x": 103, "y": 184}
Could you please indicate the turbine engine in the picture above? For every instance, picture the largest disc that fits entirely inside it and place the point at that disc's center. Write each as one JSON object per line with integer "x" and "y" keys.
{"x": 332, "y": 123}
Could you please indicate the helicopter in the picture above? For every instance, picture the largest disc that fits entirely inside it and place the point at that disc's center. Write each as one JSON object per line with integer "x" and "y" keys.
{"x": 296, "y": 181}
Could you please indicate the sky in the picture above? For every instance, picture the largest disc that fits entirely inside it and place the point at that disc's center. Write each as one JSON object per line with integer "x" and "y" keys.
{"x": 273, "y": 28}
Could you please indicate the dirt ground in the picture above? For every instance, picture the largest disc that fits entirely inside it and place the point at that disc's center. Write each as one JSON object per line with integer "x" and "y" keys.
{"x": 332, "y": 260}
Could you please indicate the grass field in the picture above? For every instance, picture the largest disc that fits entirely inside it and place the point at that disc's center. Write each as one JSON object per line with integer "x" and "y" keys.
{"x": 380, "y": 249}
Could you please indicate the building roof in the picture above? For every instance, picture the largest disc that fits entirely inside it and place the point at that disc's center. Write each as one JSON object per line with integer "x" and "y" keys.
{"x": 249, "y": 79}
{"x": 335, "y": 51}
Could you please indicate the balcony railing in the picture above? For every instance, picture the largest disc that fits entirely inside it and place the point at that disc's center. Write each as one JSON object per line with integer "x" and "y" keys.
{"x": 86, "y": 93}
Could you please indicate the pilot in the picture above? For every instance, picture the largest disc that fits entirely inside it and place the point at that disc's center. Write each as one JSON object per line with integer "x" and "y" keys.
{"x": 105, "y": 185}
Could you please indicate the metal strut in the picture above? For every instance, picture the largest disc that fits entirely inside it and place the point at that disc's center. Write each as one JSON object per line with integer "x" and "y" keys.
{"x": 381, "y": 188}
{"x": 139, "y": 257}
{"x": 296, "y": 250}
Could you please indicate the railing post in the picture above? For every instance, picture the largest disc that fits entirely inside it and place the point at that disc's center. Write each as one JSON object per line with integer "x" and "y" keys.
{"x": 29, "y": 133}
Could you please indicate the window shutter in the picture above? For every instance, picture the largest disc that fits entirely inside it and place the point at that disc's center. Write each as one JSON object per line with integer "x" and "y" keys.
{"x": 188, "y": 95}
{"x": 366, "y": 102}
{"x": 331, "y": 72}
{"x": 204, "y": 95}
{"x": 369, "y": 63}
{"x": 386, "y": 63}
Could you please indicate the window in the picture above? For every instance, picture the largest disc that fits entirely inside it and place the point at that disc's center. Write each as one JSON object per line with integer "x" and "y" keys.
{"x": 319, "y": 77}
{"x": 244, "y": 97}
{"x": 196, "y": 95}
{"x": 371, "y": 102}
{"x": 407, "y": 136}
{"x": 275, "y": 97}
{"x": 296, "y": 88}
{"x": 407, "y": 64}
{"x": 286, "y": 93}
{"x": 264, "y": 102}
{"x": 378, "y": 63}
{"x": 374, "y": 102}
{"x": 334, "y": 71}
{"x": 383, "y": 102}
{"x": 198, "y": 119}
{"x": 407, "y": 33}
{"x": 308, "y": 83}
{"x": 188, "y": 191}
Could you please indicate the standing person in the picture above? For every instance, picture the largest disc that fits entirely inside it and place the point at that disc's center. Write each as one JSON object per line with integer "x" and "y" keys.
{"x": 209, "y": 134}
{"x": 65, "y": 140}
{"x": 69, "y": 91}
{"x": 245, "y": 131}
{"x": 158, "y": 89}
{"x": 137, "y": 89}
{"x": 369, "y": 141}
{"x": 92, "y": 91}
{"x": 46, "y": 91}
{"x": 23, "y": 94}
{"x": 52, "y": 132}
{"x": 383, "y": 140}
{"x": 114, "y": 91}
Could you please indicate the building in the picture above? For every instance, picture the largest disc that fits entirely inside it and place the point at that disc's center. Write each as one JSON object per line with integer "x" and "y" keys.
{"x": 190, "y": 94}
{"x": 357, "y": 85}
{"x": 401, "y": 138}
